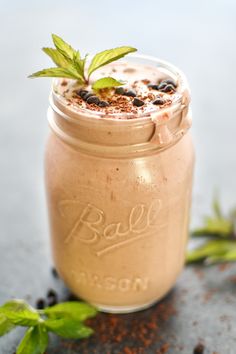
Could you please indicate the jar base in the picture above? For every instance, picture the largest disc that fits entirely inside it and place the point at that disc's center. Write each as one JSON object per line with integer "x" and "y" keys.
{"x": 124, "y": 309}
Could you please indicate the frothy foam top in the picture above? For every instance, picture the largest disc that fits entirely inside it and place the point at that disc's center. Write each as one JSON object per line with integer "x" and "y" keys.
{"x": 148, "y": 89}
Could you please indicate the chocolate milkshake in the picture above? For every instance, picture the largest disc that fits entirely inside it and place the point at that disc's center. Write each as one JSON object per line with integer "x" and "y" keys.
{"x": 119, "y": 165}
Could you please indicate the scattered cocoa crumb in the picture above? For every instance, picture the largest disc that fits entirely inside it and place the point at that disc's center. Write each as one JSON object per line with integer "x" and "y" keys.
{"x": 208, "y": 295}
{"x": 164, "y": 349}
{"x": 64, "y": 83}
{"x": 199, "y": 349}
{"x": 233, "y": 279}
{"x": 146, "y": 82}
{"x": 199, "y": 272}
{"x": 224, "y": 266}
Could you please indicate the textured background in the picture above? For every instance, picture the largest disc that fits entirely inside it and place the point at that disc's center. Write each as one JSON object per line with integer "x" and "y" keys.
{"x": 200, "y": 38}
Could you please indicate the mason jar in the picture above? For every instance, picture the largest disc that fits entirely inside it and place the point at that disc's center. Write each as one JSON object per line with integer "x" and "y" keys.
{"x": 119, "y": 194}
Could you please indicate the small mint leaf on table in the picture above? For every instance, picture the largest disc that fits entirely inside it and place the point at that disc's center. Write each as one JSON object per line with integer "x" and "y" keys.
{"x": 76, "y": 310}
{"x": 5, "y": 325}
{"x": 215, "y": 227}
{"x": 18, "y": 312}
{"x": 68, "y": 328}
{"x": 106, "y": 82}
{"x": 35, "y": 341}
{"x": 107, "y": 56}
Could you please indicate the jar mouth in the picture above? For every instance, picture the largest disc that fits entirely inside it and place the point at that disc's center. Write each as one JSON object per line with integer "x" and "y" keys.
{"x": 73, "y": 114}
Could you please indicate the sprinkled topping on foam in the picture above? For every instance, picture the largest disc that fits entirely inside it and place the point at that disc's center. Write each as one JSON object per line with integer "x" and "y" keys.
{"x": 147, "y": 89}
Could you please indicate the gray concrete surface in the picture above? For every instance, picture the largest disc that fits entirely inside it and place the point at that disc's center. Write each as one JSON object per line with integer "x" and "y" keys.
{"x": 200, "y": 38}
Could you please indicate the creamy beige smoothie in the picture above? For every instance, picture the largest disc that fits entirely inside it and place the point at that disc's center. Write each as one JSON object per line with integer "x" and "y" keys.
{"x": 119, "y": 166}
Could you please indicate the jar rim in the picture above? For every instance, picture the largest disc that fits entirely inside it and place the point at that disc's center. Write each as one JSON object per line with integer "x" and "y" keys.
{"x": 124, "y": 118}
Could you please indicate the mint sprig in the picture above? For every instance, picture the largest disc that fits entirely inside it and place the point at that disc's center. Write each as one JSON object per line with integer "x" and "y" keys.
{"x": 65, "y": 320}
{"x": 218, "y": 231}
{"x": 71, "y": 65}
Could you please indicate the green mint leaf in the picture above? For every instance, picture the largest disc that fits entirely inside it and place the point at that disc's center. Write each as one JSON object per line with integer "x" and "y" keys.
{"x": 79, "y": 64}
{"x": 106, "y": 82}
{"x": 5, "y": 325}
{"x": 57, "y": 72}
{"x": 20, "y": 313}
{"x": 214, "y": 248}
{"x": 35, "y": 341}
{"x": 217, "y": 208}
{"x": 107, "y": 56}
{"x": 216, "y": 227}
{"x": 57, "y": 57}
{"x": 78, "y": 311}
{"x": 64, "y": 48}
{"x": 229, "y": 256}
{"x": 68, "y": 328}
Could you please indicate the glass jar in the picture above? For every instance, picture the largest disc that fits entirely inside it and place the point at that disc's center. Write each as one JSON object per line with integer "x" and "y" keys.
{"x": 119, "y": 193}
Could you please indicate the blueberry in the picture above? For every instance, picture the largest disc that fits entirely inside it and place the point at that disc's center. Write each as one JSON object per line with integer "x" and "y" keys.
{"x": 168, "y": 88}
{"x": 93, "y": 99}
{"x": 153, "y": 86}
{"x": 120, "y": 90}
{"x": 130, "y": 93}
{"x": 137, "y": 102}
{"x": 103, "y": 104}
{"x": 158, "y": 101}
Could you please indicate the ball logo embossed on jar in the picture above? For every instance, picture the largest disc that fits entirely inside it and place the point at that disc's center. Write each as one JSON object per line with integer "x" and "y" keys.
{"x": 90, "y": 227}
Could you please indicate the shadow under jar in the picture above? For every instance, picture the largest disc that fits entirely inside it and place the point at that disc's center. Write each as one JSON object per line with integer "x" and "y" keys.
{"x": 119, "y": 194}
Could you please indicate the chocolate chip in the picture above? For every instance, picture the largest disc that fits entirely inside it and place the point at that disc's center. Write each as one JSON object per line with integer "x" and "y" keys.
{"x": 120, "y": 90}
{"x": 54, "y": 273}
{"x": 103, "y": 104}
{"x": 153, "y": 86}
{"x": 162, "y": 85}
{"x": 171, "y": 82}
{"x": 89, "y": 94}
{"x": 199, "y": 349}
{"x": 93, "y": 99}
{"x": 82, "y": 93}
{"x": 130, "y": 93}
{"x": 40, "y": 304}
{"x": 158, "y": 101}
{"x": 137, "y": 102}
{"x": 52, "y": 298}
{"x": 168, "y": 88}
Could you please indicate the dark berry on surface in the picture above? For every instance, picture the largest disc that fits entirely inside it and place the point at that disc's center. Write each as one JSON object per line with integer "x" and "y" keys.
{"x": 103, "y": 104}
{"x": 130, "y": 93}
{"x": 52, "y": 298}
{"x": 120, "y": 90}
{"x": 40, "y": 304}
{"x": 137, "y": 102}
{"x": 54, "y": 273}
{"x": 199, "y": 349}
{"x": 93, "y": 99}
